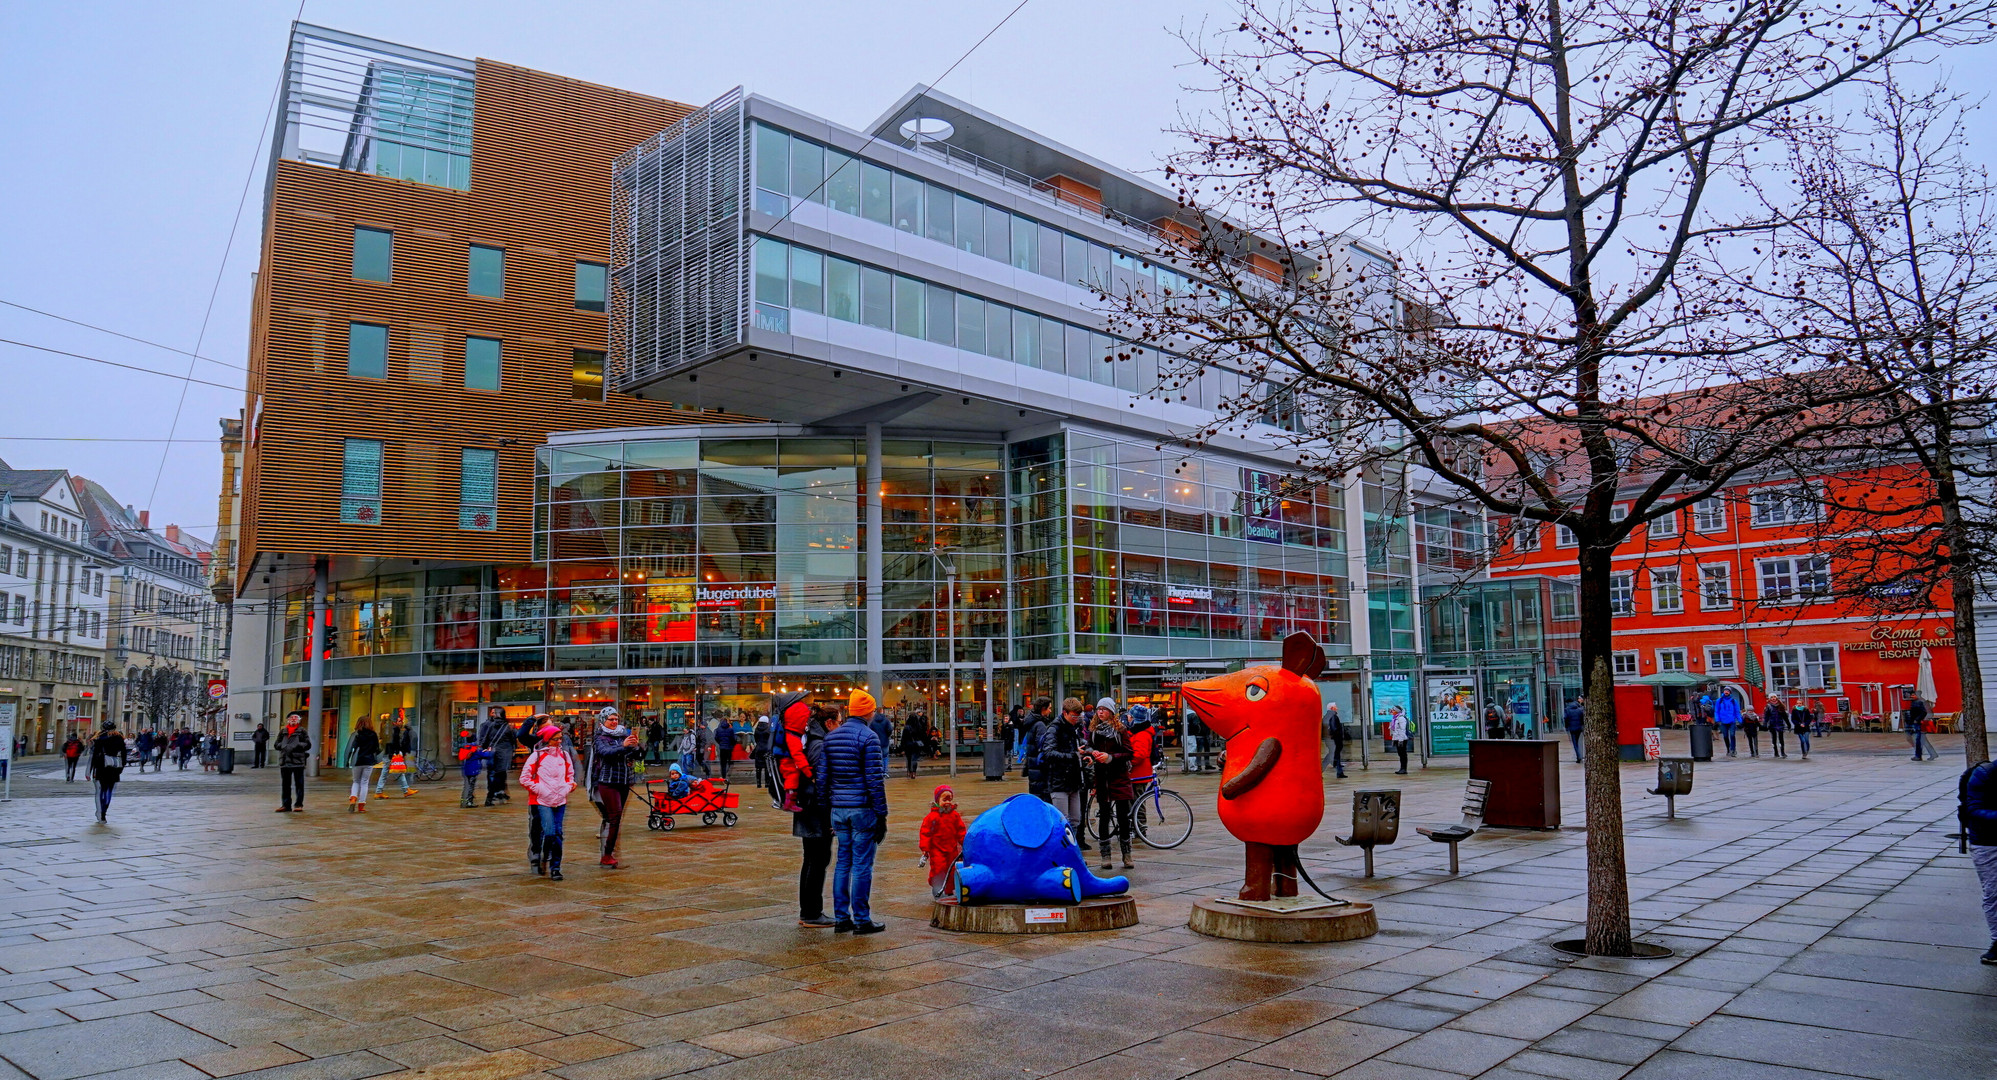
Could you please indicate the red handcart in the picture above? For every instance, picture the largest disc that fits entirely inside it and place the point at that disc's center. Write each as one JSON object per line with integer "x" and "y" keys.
{"x": 711, "y": 799}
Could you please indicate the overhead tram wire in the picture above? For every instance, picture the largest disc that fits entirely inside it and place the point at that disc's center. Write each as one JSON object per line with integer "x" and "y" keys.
{"x": 228, "y": 246}
{"x": 933, "y": 83}
{"x": 188, "y": 378}
{"x": 121, "y": 334}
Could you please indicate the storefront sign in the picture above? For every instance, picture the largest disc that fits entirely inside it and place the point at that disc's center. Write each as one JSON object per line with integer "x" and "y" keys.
{"x": 1187, "y": 594}
{"x": 1392, "y": 694}
{"x": 218, "y": 689}
{"x": 732, "y": 595}
{"x": 1452, "y": 715}
{"x": 1903, "y": 643}
{"x": 1261, "y": 507}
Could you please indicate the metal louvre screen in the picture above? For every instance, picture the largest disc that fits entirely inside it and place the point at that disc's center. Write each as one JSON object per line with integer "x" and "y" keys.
{"x": 678, "y": 273}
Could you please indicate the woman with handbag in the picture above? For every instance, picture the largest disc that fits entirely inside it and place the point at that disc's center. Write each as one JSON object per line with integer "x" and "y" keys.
{"x": 363, "y": 753}
{"x": 397, "y": 747}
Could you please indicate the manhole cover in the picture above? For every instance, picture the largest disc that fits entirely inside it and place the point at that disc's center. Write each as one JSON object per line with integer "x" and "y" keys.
{"x": 1639, "y": 950}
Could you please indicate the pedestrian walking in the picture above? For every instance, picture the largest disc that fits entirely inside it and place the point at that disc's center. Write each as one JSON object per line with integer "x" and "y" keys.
{"x": 259, "y": 746}
{"x": 1398, "y": 736}
{"x": 724, "y": 746}
{"x": 855, "y": 768}
{"x": 759, "y": 750}
{"x": 1061, "y": 746}
{"x": 500, "y": 738}
{"x": 876, "y": 718}
{"x": 1576, "y": 720}
{"x": 610, "y": 777}
{"x": 1750, "y": 722}
{"x": 1916, "y": 715}
{"x": 1727, "y": 712}
{"x": 703, "y": 746}
{"x": 1109, "y": 749}
{"x": 472, "y": 764}
{"x": 396, "y": 746}
{"x": 1803, "y": 720}
{"x": 294, "y": 753}
{"x": 1776, "y": 719}
{"x": 363, "y": 754}
{"x": 1977, "y": 809}
{"x": 1334, "y": 741}
{"x": 941, "y": 840}
{"x": 914, "y": 740}
{"x": 549, "y": 776}
{"x": 107, "y": 764}
{"x": 72, "y": 751}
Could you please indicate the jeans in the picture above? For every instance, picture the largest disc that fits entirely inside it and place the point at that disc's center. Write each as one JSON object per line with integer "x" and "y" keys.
{"x": 913, "y": 759}
{"x": 359, "y": 789}
{"x": 495, "y": 778}
{"x": 1575, "y": 738}
{"x": 1070, "y": 805}
{"x": 544, "y": 834}
{"x": 107, "y": 778}
{"x": 1921, "y": 744}
{"x": 1985, "y": 858}
{"x": 471, "y": 789}
{"x": 69, "y": 769}
{"x": 292, "y": 778}
{"x": 382, "y": 780}
{"x": 811, "y": 877}
{"x": 726, "y": 759}
{"x": 853, "y": 874}
{"x": 1727, "y": 732}
{"x": 1803, "y": 740}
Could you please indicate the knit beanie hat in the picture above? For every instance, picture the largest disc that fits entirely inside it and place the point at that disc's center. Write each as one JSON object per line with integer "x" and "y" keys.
{"x": 861, "y": 704}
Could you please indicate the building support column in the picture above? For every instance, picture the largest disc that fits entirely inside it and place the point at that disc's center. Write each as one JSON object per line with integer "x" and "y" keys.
{"x": 315, "y": 698}
{"x": 876, "y": 685}
{"x": 1360, "y": 608}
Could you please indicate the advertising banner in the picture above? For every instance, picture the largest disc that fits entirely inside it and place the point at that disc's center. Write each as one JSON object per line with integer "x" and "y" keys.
{"x": 1391, "y": 694}
{"x": 1452, "y": 714}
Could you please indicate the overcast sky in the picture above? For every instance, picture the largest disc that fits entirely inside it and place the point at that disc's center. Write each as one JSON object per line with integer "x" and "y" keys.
{"x": 129, "y": 130}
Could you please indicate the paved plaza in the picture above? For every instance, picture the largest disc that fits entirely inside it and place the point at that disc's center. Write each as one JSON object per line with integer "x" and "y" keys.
{"x": 1824, "y": 926}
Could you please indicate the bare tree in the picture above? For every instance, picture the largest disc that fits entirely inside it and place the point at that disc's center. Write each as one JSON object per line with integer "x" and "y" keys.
{"x": 161, "y": 692}
{"x": 1565, "y": 184}
{"x": 1892, "y": 260}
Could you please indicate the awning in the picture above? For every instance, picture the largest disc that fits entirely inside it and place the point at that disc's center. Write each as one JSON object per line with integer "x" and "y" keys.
{"x": 1670, "y": 678}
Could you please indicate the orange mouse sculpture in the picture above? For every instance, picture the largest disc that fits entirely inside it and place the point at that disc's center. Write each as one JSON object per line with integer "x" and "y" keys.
{"x": 1272, "y": 789}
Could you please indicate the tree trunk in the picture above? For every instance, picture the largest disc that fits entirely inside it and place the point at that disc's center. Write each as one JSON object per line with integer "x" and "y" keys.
{"x": 1962, "y": 587}
{"x": 1602, "y": 783}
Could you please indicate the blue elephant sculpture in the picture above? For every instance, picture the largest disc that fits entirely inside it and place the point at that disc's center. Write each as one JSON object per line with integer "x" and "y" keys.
{"x": 1021, "y": 852}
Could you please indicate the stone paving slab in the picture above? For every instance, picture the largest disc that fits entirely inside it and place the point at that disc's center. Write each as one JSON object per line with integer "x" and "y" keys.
{"x": 1824, "y": 926}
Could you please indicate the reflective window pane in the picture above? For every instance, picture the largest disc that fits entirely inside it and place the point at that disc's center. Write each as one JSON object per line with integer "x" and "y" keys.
{"x": 373, "y": 254}
{"x": 772, "y": 159}
{"x": 907, "y": 203}
{"x": 875, "y": 202}
{"x": 876, "y": 298}
{"x": 842, "y": 186}
{"x": 842, "y": 289}
{"x": 807, "y": 280}
{"x": 486, "y": 271}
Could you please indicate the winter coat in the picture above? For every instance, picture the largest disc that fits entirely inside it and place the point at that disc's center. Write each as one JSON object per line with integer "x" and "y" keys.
{"x": 610, "y": 761}
{"x": 855, "y": 768}
{"x": 1775, "y": 717}
{"x": 1036, "y": 776}
{"x": 364, "y": 749}
{"x": 883, "y": 729}
{"x": 724, "y": 741}
{"x": 1978, "y": 790}
{"x": 914, "y": 736}
{"x": 294, "y": 749}
{"x": 1917, "y": 714}
{"x": 762, "y": 736}
{"x": 1143, "y": 736}
{"x": 72, "y": 748}
{"x": 703, "y": 738}
{"x": 1060, "y": 757}
{"x": 107, "y": 751}
{"x": 260, "y": 736}
{"x": 398, "y": 740}
{"x": 814, "y": 822}
{"x": 1576, "y": 718}
{"x": 1727, "y": 711}
{"x": 548, "y": 776}
{"x": 941, "y": 839}
{"x": 1112, "y": 777}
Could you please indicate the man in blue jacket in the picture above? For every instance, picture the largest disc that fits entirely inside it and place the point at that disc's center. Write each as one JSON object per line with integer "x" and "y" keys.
{"x": 854, "y": 771}
{"x": 1979, "y": 820}
{"x": 1576, "y": 720}
{"x": 1727, "y": 715}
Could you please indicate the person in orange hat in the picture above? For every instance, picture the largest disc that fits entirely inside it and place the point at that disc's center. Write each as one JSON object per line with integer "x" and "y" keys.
{"x": 942, "y": 840}
{"x": 862, "y": 707}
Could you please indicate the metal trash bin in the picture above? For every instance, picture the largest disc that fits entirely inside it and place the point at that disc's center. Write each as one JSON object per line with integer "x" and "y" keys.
{"x": 1674, "y": 778}
{"x": 994, "y": 754}
{"x": 1701, "y": 736}
{"x": 225, "y": 759}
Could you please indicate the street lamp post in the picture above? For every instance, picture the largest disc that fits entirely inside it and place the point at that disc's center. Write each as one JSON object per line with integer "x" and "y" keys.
{"x": 950, "y": 613}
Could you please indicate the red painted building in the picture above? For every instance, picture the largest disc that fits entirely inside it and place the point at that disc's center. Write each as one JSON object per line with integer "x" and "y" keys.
{"x": 1750, "y": 590}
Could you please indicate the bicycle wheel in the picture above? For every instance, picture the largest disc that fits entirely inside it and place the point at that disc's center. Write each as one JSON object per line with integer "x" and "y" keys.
{"x": 1164, "y": 819}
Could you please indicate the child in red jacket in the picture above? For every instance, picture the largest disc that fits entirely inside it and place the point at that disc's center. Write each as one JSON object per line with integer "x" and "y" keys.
{"x": 942, "y": 839}
{"x": 793, "y": 766}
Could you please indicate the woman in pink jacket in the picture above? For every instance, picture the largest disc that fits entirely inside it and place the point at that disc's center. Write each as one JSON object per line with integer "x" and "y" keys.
{"x": 549, "y": 775}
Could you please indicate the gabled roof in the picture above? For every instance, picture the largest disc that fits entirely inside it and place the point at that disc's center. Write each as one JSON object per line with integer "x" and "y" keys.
{"x": 29, "y": 483}
{"x": 112, "y": 527}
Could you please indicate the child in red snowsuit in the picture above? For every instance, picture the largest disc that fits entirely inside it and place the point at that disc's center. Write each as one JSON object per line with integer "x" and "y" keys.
{"x": 794, "y": 768}
{"x": 942, "y": 839}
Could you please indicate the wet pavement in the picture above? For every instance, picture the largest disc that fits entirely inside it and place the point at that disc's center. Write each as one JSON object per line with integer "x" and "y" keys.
{"x": 1824, "y": 926}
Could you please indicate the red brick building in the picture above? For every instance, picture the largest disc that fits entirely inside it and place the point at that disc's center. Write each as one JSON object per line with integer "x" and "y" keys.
{"x": 1749, "y": 590}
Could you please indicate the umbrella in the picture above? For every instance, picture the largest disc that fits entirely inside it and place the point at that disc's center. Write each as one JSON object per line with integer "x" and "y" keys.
{"x": 1924, "y": 678}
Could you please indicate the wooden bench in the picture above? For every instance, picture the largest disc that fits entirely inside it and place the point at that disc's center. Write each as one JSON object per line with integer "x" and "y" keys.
{"x": 1474, "y": 795}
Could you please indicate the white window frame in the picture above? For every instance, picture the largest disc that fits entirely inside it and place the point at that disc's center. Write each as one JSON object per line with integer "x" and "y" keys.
{"x": 1622, "y": 587}
{"x": 1525, "y": 535}
{"x": 1673, "y": 587}
{"x": 1784, "y": 504}
{"x": 1715, "y": 667}
{"x": 1664, "y": 526}
{"x": 1802, "y": 667}
{"x": 1790, "y": 585}
{"x": 1726, "y": 577}
{"x": 1619, "y": 669}
{"x": 1619, "y": 512}
{"x": 1666, "y": 656}
{"x": 1564, "y": 537}
{"x": 1709, "y": 515}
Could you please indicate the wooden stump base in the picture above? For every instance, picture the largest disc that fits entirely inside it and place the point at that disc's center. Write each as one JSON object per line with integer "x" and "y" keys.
{"x": 1346, "y": 922}
{"x": 1104, "y": 913}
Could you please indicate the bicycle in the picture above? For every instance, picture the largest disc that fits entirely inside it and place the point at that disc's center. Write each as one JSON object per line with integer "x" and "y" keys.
{"x": 428, "y": 770}
{"x": 1161, "y": 817}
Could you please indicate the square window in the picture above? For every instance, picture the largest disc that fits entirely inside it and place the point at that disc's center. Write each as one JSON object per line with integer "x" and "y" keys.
{"x": 1715, "y": 587}
{"x": 1622, "y": 593}
{"x": 1720, "y": 660}
{"x": 592, "y": 286}
{"x": 373, "y": 254}
{"x": 1788, "y": 505}
{"x": 588, "y": 380}
{"x": 1622, "y": 664}
{"x": 1525, "y": 535}
{"x": 1710, "y": 514}
{"x": 482, "y": 362}
{"x": 1670, "y": 660}
{"x": 367, "y": 351}
{"x": 1666, "y": 595}
{"x": 1665, "y": 526}
{"x": 360, "y": 482}
{"x": 1563, "y": 536}
{"x": 487, "y": 271}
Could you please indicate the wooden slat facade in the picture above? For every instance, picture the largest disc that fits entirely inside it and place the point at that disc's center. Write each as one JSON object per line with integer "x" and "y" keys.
{"x": 542, "y": 147}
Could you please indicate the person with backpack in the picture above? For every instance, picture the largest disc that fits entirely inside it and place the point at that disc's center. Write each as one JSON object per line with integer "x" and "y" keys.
{"x": 1802, "y": 719}
{"x": 549, "y": 776}
{"x": 1726, "y": 713}
{"x": 1061, "y": 746}
{"x": 811, "y": 820}
{"x": 72, "y": 751}
{"x": 1976, "y": 795}
{"x": 1917, "y": 727}
{"x": 1776, "y": 719}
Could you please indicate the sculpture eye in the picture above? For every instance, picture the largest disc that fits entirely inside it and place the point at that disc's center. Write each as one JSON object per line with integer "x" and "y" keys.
{"x": 1256, "y": 692}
